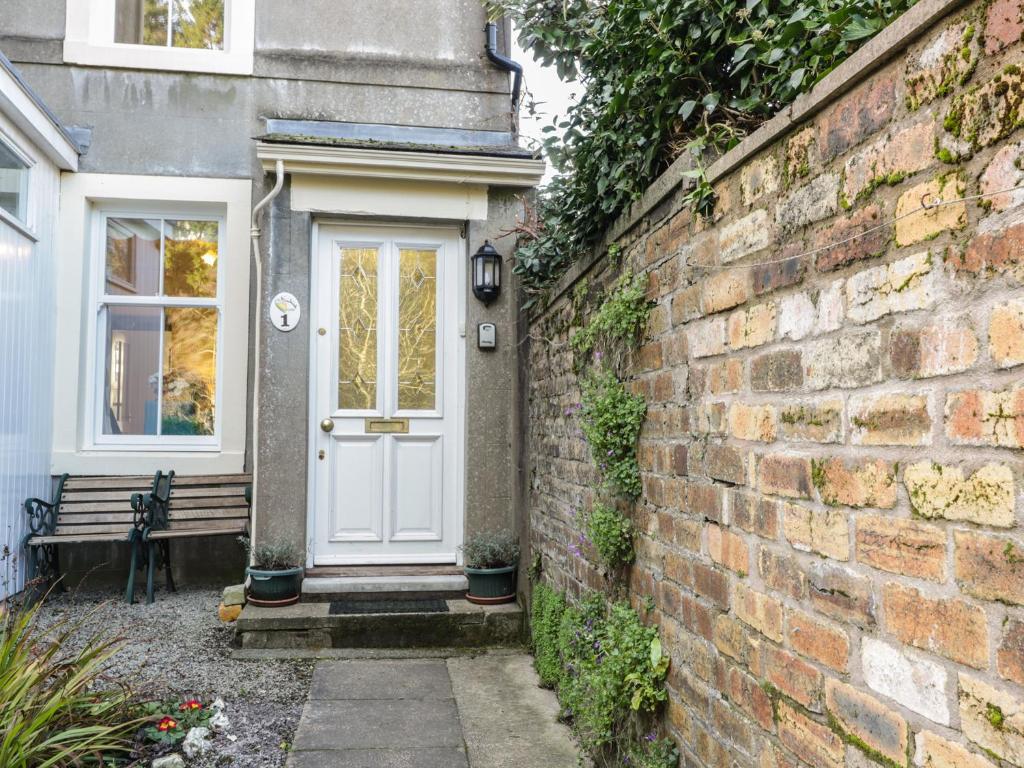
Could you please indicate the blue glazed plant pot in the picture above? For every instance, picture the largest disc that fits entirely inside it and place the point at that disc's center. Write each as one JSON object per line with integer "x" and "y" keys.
{"x": 489, "y": 586}
{"x": 274, "y": 588}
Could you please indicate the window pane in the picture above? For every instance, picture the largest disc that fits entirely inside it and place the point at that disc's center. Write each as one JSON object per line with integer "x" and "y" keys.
{"x": 417, "y": 329}
{"x": 190, "y": 371}
{"x": 132, "y": 371}
{"x": 357, "y": 329}
{"x": 198, "y": 24}
{"x": 13, "y": 182}
{"x": 192, "y": 24}
{"x": 133, "y": 257}
{"x": 190, "y": 258}
{"x": 141, "y": 22}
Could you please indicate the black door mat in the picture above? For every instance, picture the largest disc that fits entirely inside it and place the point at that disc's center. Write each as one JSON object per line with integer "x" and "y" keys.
{"x": 408, "y": 605}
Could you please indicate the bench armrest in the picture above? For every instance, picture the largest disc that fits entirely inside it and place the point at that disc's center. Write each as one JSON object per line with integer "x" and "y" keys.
{"x": 42, "y": 516}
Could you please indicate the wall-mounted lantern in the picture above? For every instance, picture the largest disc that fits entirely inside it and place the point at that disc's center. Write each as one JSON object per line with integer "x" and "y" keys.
{"x": 486, "y": 273}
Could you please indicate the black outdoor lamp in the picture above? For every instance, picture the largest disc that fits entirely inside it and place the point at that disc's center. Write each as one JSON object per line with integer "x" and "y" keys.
{"x": 486, "y": 273}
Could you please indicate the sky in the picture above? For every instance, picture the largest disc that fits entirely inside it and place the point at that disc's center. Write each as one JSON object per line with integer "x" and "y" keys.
{"x": 551, "y": 95}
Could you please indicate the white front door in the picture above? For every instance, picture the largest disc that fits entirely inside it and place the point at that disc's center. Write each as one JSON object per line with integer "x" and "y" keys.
{"x": 387, "y": 395}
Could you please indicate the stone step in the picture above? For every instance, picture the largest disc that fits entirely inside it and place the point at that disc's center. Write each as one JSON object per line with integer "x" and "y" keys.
{"x": 310, "y": 625}
{"x": 327, "y": 588}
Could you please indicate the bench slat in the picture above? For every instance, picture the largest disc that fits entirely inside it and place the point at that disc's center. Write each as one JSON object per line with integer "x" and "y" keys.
{"x": 223, "y": 502}
{"x": 208, "y": 514}
{"x": 91, "y": 507}
{"x": 219, "y": 480}
{"x": 78, "y": 537}
{"x": 73, "y": 530}
{"x": 125, "y": 518}
{"x": 224, "y": 490}
{"x": 88, "y": 483}
{"x": 195, "y": 533}
{"x": 117, "y": 495}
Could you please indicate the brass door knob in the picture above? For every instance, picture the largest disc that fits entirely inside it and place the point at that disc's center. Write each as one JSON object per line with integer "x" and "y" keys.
{"x": 327, "y": 425}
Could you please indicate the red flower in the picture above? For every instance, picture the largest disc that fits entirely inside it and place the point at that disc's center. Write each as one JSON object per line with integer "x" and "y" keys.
{"x": 191, "y": 705}
{"x": 167, "y": 724}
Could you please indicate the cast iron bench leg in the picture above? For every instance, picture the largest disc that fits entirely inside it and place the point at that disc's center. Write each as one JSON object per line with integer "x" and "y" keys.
{"x": 151, "y": 545}
{"x": 135, "y": 545}
{"x": 168, "y": 576}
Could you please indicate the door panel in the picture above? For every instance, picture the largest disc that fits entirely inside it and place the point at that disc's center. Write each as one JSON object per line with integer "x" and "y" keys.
{"x": 417, "y": 513}
{"x": 387, "y": 373}
{"x": 353, "y": 461}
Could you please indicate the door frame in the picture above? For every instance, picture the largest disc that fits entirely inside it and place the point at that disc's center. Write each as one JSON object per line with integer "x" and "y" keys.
{"x": 457, "y": 231}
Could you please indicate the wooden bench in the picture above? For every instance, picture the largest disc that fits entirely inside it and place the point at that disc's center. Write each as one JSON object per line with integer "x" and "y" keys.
{"x": 188, "y": 508}
{"x": 83, "y": 510}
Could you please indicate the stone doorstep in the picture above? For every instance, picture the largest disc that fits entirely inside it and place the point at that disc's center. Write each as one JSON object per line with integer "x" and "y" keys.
{"x": 327, "y": 588}
{"x": 310, "y": 625}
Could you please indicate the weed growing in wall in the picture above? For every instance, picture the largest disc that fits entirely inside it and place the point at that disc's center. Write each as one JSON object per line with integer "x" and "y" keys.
{"x": 609, "y": 672}
{"x": 611, "y": 533}
{"x": 617, "y": 325}
{"x": 611, "y": 418}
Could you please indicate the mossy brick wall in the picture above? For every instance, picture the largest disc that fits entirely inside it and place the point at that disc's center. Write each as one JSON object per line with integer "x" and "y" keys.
{"x": 831, "y": 525}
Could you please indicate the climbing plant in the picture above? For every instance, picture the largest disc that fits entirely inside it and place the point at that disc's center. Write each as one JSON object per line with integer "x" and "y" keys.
{"x": 611, "y": 533}
{"x": 617, "y": 324}
{"x": 609, "y": 672}
{"x": 611, "y": 418}
{"x": 660, "y": 78}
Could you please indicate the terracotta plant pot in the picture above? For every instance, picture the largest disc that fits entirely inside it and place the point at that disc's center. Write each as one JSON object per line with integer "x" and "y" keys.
{"x": 489, "y": 586}
{"x": 274, "y": 588}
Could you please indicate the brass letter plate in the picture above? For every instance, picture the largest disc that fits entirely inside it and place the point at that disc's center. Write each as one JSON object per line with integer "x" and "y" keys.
{"x": 387, "y": 426}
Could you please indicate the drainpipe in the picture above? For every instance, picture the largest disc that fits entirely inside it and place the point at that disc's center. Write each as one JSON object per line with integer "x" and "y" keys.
{"x": 254, "y": 233}
{"x": 505, "y": 63}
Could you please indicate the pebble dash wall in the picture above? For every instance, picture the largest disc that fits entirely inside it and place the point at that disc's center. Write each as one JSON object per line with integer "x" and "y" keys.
{"x": 831, "y": 529}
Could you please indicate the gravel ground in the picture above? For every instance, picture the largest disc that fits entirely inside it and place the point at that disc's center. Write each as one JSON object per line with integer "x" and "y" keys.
{"x": 178, "y": 647}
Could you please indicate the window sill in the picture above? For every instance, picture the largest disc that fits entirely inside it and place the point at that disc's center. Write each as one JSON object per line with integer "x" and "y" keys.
{"x": 124, "y": 56}
{"x": 185, "y": 462}
{"x": 18, "y": 225}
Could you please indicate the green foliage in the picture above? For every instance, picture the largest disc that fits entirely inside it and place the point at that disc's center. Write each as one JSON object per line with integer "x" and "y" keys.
{"x": 609, "y": 670}
{"x": 172, "y": 721}
{"x": 611, "y": 418}
{"x": 53, "y": 710}
{"x": 611, "y": 533}
{"x": 661, "y": 78}
{"x": 273, "y": 555}
{"x": 618, "y": 323}
{"x": 491, "y": 550}
{"x": 546, "y": 612}
{"x": 654, "y": 753}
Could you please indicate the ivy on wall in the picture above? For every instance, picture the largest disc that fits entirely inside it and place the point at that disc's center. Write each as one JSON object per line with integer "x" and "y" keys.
{"x": 609, "y": 672}
{"x": 611, "y": 418}
{"x": 660, "y": 78}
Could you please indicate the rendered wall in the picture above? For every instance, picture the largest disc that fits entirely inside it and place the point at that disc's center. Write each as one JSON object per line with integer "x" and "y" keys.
{"x": 830, "y": 528}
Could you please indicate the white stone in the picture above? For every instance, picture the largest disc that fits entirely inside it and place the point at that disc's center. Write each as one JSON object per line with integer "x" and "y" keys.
{"x": 830, "y": 308}
{"x": 743, "y": 236}
{"x": 796, "y": 316}
{"x": 812, "y": 202}
{"x": 234, "y": 595}
{"x": 195, "y": 742}
{"x": 707, "y": 337}
{"x": 917, "y": 684}
{"x": 219, "y": 723}
{"x": 902, "y": 286}
{"x": 169, "y": 761}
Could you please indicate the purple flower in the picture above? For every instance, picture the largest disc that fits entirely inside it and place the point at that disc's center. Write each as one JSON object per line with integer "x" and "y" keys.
{"x": 652, "y": 736}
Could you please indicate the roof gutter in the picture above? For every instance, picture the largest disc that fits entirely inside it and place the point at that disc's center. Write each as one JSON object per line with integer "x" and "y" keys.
{"x": 505, "y": 63}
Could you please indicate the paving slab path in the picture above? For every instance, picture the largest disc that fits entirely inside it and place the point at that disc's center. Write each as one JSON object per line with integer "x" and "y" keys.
{"x": 483, "y": 711}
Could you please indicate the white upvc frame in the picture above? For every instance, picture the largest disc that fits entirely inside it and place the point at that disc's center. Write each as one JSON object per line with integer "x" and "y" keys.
{"x": 97, "y": 328}
{"x": 314, "y": 504}
{"x": 89, "y": 40}
{"x": 23, "y": 223}
{"x": 84, "y": 199}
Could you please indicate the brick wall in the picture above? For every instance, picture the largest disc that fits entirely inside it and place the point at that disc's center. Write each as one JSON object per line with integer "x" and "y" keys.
{"x": 831, "y": 520}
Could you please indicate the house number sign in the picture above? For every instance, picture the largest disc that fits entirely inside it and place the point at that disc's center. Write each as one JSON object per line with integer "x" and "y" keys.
{"x": 285, "y": 311}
